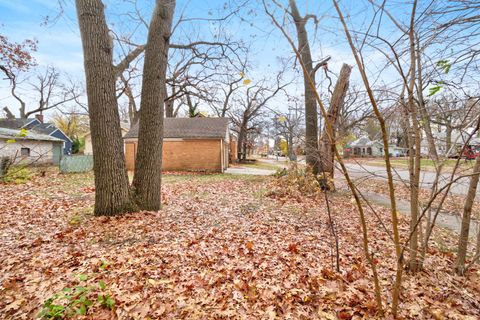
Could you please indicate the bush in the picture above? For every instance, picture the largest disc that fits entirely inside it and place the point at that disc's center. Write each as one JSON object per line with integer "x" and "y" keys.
{"x": 17, "y": 175}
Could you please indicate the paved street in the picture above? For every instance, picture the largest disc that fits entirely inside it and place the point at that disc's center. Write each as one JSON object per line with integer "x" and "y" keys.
{"x": 360, "y": 172}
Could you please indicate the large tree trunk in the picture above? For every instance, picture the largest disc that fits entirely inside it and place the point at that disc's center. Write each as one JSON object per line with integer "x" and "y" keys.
{"x": 311, "y": 120}
{"x": 327, "y": 142}
{"x": 148, "y": 165}
{"x": 467, "y": 214}
{"x": 112, "y": 194}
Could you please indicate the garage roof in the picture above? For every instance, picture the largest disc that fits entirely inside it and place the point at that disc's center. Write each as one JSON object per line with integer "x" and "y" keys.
{"x": 191, "y": 128}
{"x": 13, "y": 134}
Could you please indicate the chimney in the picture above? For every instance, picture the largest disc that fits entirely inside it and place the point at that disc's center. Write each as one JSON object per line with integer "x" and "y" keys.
{"x": 39, "y": 117}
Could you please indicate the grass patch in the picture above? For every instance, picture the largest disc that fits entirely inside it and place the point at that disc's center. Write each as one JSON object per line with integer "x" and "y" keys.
{"x": 79, "y": 215}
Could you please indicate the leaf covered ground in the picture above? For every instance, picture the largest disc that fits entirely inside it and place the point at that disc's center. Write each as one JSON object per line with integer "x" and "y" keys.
{"x": 223, "y": 247}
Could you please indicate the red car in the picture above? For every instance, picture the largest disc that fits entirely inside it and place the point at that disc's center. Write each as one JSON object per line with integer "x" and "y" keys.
{"x": 471, "y": 152}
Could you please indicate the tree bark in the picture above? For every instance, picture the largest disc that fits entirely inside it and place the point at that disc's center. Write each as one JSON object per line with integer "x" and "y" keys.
{"x": 466, "y": 218}
{"x": 311, "y": 114}
{"x": 290, "y": 151}
{"x": 241, "y": 144}
{"x": 148, "y": 176}
{"x": 432, "y": 151}
{"x": 169, "y": 103}
{"x": 414, "y": 147}
{"x": 448, "y": 135}
{"x": 327, "y": 141}
{"x": 113, "y": 195}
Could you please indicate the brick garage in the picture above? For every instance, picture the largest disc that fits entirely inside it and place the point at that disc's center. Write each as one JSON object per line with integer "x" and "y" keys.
{"x": 190, "y": 144}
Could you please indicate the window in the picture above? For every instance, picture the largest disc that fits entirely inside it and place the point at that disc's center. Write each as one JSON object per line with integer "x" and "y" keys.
{"x": 25, "y": 152}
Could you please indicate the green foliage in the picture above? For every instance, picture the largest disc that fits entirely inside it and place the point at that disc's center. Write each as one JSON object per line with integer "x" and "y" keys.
{"x": 76, "y": 301}
{"x": 105, "y": 265}
{"x": 21, "y": 134}
{"x": 433, "y": 90}
{"x": 77, "y": 145}
{"x": 445, "y": 65}
{"x": 17, "y": 175}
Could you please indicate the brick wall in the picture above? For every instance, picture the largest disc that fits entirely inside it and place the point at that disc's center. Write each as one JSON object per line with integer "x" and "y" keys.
{"x": 181, "y": 155}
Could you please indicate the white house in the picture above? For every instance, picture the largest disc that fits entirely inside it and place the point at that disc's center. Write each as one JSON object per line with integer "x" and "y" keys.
{"x": 458, "y": 138}
{"x": 30, "y": 146}
{"x": 364, "y": 147}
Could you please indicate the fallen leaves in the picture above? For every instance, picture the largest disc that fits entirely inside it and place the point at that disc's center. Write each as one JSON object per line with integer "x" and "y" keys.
{"x": 219, "y": 248}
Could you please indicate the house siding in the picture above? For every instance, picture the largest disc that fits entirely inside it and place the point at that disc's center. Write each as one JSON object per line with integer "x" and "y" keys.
{"x": 67, "y": 146}
{"x": 41, "y": 152}
{"x": 88, "y": 145}
{"x": 184, "y": 155}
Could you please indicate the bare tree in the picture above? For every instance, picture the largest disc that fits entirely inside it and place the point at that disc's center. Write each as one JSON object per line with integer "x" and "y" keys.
{"x": 249, "y": 107}
{"x": 289, "y": 125}
{"x": 311, "y": 114}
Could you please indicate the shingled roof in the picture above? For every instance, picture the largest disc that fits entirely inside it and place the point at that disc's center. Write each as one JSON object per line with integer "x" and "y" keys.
{"x": 16, "y": 123}
{"x": 44, "y": 128}
{"x": 189, "y": 128}
{"x": 15, "y": 134}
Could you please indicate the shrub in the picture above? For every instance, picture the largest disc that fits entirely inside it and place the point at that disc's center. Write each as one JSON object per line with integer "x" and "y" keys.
{"x": 17, "y": 175}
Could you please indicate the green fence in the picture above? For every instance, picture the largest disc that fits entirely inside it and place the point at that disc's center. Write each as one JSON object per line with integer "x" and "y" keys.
{"x": 76, "y": 163}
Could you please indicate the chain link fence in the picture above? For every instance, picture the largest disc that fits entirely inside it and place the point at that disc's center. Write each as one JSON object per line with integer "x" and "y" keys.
{"x": 78, "y": 163}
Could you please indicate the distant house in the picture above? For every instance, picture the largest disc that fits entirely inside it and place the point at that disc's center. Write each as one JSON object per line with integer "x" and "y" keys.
{"x": 451, "y": 143}
{"x": 364, "y": 147}
{"x": 88, "y": 138}
{"x": 395, "y": 151}
{"x": 30, "y": 146}
{"x": 36, "y": 125}
{"x": 190, "y": 144}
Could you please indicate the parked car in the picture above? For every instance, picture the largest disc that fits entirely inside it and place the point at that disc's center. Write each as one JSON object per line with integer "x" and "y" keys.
{"x": 467, "y": 153}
